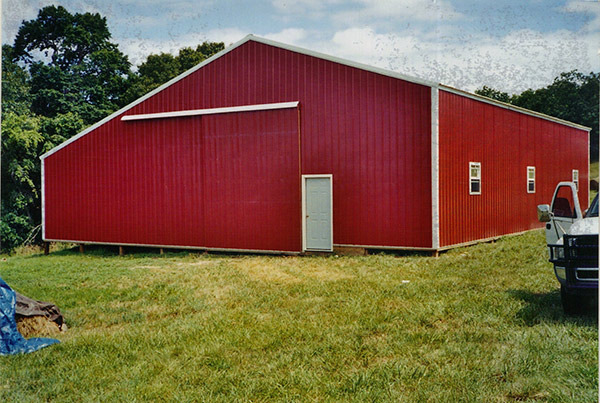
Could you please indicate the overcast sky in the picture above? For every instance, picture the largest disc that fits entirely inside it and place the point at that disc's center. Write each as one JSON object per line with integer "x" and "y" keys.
{"x": 508, "y": 45}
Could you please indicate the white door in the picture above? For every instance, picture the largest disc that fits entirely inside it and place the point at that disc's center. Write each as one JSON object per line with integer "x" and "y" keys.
{"x": 318, "y": 215}
{"x": 565, "y": 210}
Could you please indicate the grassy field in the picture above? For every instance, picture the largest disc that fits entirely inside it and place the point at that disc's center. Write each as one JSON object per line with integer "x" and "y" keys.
{"x": 482, "y": 323}
{"x": 593, "y": 175}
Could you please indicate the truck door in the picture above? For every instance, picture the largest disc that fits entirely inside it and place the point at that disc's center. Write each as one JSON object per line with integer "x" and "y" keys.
{"x": 565, "y": 211}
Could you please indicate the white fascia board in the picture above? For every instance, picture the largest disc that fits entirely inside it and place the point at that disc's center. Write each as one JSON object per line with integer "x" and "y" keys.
{"x": 511, "y": 107}
{"x": 43, "y": 202}
{"x": 211, "y": 111}
{"x": 185, "y": 247}
{"x": 223, "y": 53}
{"x": 148, "y": 95}
{"x": 345, "y": 62}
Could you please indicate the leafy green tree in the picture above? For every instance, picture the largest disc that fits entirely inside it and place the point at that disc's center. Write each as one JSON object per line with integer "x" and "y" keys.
{"x": 20, "y": 195}
{"x": 73, "y": 65}
{"x": 158, "y": 69}
{"x": 16, "y": 97}
{"x": 493, "y": 94}
{"x": 24, "y": 139}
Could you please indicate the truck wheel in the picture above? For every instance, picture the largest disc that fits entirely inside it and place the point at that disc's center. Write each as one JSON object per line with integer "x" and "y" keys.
{"x": 569, "y": 301}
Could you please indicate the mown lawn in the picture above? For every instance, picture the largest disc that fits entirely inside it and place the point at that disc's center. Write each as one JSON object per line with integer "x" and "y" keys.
{"x": 482, "y": 323}
{"x": 593, "y": 175}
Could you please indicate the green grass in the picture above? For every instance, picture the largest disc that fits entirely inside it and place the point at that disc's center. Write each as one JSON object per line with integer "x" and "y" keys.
{"x": 593, "y": 175}
{"x": 594, "y": 170}
{"x": 482, "y": 323}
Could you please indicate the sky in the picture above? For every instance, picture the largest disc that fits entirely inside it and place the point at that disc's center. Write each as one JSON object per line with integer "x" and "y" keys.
{"x": 507, "y": 45}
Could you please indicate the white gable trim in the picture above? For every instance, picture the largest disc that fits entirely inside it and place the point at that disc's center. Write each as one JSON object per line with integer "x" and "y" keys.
{"x": 211, "y": 111}
{"x": 308, "y": 53}
{"x": 345, "y": 62}
{"x": 148, "y": 95}
{"x": 511, "y": 107}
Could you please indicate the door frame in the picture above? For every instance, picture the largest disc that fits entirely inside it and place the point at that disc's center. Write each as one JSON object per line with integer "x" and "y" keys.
{"x": 552, "y": 227}
{"x": 316, "y": 176}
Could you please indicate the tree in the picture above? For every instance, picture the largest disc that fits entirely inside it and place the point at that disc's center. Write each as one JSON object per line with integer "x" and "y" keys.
{"x": 158, "y": 69}
{"x": 24, "y": 139}
{"x": 20, "y": 141}
{"x": 493, "y": 94}
{"x": 16, "y": 95}
{"x": 73, "y": 65}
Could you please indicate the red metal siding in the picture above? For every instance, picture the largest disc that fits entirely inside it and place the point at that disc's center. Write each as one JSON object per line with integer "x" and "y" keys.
{"x": 220, "y": 181}
{"x": 505, "y": 143}
{"x": 372, "y": 132}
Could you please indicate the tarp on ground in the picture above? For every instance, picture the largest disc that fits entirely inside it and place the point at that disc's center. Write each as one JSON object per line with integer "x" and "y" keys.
{"x": 11, "y": 341}
{"x": 28, "y": 307}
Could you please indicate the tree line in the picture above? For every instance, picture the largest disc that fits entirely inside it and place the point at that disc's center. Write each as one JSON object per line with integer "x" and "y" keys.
{"x": 62, "y": 73}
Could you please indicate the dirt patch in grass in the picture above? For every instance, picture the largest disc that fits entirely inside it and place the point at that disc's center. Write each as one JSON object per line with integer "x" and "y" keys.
{"x": 324, "y": 273}
{"x": 289, "y": 271}
{"x": 30, "y": 326}
{"x": 266, "y": 271}
{"x": 218, "y": 293}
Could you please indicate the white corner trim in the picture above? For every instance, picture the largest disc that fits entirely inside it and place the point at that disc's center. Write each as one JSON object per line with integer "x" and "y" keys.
{"x": 304, "y": 177}
{"x": 435, "y": 168}
{"x": 43, "y": 202}
{"x": 511, "y": 107}
{"x": 211, "y": 111}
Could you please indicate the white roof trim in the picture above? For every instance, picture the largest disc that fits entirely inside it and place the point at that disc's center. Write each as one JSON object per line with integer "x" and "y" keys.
{"x": 346, "y": 62}
{"x": 511, "y": 107}
{"x": 148, "y": 95}
{"x": 308, "y": 53}
{"x": 212, "y": 111}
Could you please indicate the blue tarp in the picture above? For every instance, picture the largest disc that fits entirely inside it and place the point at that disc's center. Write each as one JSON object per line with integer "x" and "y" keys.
{"x": 11, "y": 341}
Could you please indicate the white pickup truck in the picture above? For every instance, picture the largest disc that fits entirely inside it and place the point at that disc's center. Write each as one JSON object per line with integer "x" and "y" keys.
{"x": 572, "y": 238}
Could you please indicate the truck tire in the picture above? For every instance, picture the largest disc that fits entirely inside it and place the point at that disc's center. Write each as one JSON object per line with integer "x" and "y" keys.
{"x": 569, "y": 301}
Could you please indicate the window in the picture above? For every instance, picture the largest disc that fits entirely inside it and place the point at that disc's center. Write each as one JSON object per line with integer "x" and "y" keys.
{"x": 475, "y": 178}
{"x": 576, "y": 178}
{"x": 530, "y": 179}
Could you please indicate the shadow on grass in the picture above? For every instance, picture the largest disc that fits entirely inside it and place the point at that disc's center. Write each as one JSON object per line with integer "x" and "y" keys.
{"x": 547, "y": 308}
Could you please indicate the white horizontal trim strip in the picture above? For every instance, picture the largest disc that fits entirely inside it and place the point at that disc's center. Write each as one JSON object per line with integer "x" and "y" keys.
{"x": 212, "y": 111}
{"x": 485, "y": 240}
{"x": 345, "y": 62}
{"x": 383, "y": 247}
{"x": 200, "y": 248}
{"x": 511, "y": 107}
{"x": 148, "y": 95}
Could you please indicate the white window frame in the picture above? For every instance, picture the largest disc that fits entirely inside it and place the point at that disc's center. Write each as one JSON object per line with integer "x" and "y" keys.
{"x": 530, "y": 180}
{"x": 575, "y": 178}
{"x": 474, "y": 178}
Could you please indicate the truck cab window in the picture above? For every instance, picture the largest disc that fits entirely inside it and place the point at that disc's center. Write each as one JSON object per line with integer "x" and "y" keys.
{"x": 564, "y": 205}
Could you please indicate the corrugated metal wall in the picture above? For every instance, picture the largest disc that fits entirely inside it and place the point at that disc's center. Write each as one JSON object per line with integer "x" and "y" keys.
{"x": 505, "y": 143}
{"x": 372, "y": 132}
{"x": 220, "y": 181}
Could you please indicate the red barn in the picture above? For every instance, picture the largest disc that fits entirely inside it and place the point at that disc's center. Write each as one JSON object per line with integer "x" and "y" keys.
{"x": 272, "y": 148}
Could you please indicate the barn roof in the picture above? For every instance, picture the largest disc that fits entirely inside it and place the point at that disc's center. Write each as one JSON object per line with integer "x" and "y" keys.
{"x": 319, "y": 55}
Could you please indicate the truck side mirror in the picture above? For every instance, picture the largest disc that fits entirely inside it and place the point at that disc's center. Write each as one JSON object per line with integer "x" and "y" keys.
{"x": 543, "y": 211}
